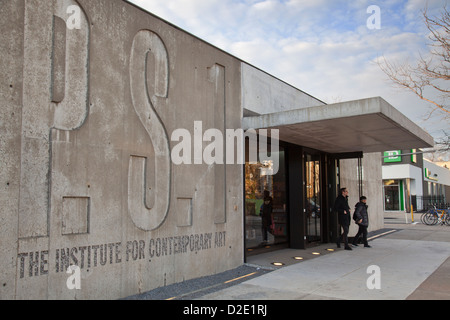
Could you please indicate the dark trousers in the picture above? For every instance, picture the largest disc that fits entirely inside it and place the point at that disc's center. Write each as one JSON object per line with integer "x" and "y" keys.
{"x": 265, "y": 228}
{"x": 361, "y": 231}
{"x": 344, "y": 235}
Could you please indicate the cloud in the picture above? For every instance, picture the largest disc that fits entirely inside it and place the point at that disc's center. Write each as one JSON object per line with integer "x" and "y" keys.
{"x": 322, "y": 47}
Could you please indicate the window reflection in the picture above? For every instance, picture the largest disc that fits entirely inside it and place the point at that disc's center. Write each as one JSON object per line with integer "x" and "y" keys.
{"x": 258, "y": 179}
{"x": 313, "y": 205}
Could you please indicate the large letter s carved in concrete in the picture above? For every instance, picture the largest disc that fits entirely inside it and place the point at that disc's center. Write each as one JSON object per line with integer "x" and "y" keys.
{"x": 148, "y": 49}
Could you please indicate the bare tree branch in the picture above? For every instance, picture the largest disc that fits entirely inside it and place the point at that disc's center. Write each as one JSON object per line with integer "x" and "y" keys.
{"x": 430, "y": 73}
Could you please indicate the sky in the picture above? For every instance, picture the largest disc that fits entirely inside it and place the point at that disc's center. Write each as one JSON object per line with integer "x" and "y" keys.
{"x": 323, "y": 47}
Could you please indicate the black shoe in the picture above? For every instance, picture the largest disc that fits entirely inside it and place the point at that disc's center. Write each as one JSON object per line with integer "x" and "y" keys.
{"x": 354, "y": 244}
{"x": 338, "y": 244}
{"x": 367, "y": 246}
{"x": 348, "y": 248}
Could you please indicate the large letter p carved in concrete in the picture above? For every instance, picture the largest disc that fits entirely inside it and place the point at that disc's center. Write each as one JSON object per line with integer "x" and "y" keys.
{"x": 149, "y": 53}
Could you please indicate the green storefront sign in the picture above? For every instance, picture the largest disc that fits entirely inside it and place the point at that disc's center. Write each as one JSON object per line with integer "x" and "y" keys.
{"x": 393, "y": 156}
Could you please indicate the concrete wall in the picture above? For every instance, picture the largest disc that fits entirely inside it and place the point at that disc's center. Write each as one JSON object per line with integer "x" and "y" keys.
{"x": 263, "y": 93}
{"x": 91, "y": 93}
{"x": 372, "y": 188}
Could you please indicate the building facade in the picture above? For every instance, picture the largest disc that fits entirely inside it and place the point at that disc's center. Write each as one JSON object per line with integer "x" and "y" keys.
{"x": 410, "y": 180}
{"x": 98, "y": 99}
{"x": 436, "y": 182}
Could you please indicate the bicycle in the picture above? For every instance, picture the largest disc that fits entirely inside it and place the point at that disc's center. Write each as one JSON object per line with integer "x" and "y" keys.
{"x": 430, "y": 217}
{"x": 436, "y": 216}
{"x": 447, "y": 216}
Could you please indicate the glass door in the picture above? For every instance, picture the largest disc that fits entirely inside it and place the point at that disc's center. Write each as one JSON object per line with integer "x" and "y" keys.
{"x": 313, "y": 198}
{"x": 391, "y": 195}
{"x": 265, "y": 228}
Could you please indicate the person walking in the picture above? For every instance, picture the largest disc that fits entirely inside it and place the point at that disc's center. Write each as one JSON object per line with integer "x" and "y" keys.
{"x": 361, "y": 218}
{"x": 343, "y": 211}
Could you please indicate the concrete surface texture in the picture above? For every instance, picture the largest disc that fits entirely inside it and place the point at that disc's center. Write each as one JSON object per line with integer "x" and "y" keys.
{"x": 94, "y": 90}
{"x": 372, "y": 187}
{"x": 412, "y": 264}
{"x": 262, "y": 93}
{"x": 368, "y": 125}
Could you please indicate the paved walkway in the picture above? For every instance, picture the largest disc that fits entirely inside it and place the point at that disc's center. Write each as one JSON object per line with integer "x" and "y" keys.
{"x": 413, "y": 262}
{"x": 413, "y": 259}
{"x": 436, "y": 286}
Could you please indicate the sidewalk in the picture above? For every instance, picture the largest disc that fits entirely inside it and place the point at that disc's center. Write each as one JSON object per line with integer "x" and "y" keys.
{"x": 414, "y": 264}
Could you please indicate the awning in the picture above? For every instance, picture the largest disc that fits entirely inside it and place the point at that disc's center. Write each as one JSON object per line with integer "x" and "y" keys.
{"x": 367, "y": 125}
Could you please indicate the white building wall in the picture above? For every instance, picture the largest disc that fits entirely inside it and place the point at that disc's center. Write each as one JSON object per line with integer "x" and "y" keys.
{"x": 405, "y": 171}
{"x": 442, "y": 174}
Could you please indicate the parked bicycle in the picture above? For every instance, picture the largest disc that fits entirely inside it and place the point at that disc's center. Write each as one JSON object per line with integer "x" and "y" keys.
{"x": 436, "y": 216}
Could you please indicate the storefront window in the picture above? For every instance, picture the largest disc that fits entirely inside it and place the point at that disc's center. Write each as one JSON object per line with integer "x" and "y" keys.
{"x": 258, "y": 179}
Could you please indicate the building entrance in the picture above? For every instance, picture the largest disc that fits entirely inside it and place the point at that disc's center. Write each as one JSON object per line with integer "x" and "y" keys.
{"x": 303, "y": 192}
{"x": 267, "y": 227}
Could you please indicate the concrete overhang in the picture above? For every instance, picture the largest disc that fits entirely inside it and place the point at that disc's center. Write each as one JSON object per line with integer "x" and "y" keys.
{"x": 367, "y": 125}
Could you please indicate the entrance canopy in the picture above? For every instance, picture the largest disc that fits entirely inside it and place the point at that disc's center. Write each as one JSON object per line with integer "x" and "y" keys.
{"x": 367, "y": 125}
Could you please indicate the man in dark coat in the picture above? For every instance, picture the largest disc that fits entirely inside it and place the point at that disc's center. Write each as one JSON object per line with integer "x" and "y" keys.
{"x": 343, "y": 211}
{"x": 362, "y": 220}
